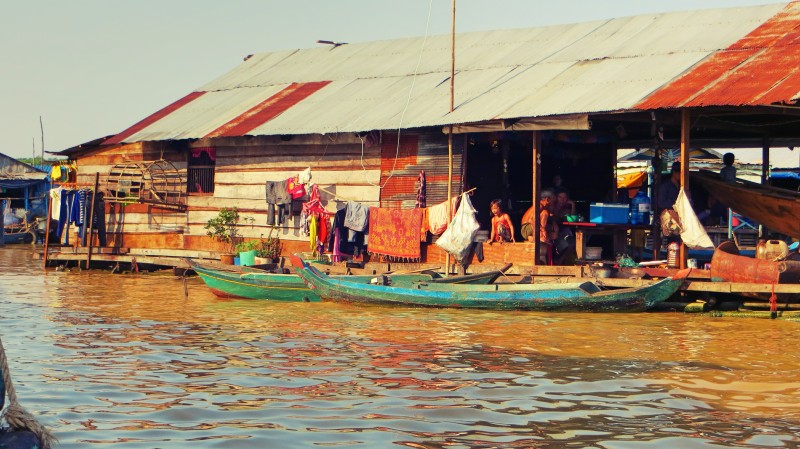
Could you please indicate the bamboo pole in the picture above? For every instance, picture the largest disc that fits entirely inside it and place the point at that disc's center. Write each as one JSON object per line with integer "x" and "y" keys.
{"x": 685, "y": 148}
{"x": 2, "y": 216}
{"x": 536, "y": 184}
{"x": 47, "y": 230}
{"x": 450, "y": 128}
{"x": 91, "y": 219}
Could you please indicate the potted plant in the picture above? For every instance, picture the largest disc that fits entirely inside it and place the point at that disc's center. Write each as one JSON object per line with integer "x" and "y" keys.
{"x": 270, "y": 247}
{"x": 224, "y": 229}
{"x": 247, "y": 250}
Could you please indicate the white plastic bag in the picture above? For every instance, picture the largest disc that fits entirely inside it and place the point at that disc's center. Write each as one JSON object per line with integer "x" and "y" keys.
{"x": 693, "y": 233}
{"x": 457, "y": 239}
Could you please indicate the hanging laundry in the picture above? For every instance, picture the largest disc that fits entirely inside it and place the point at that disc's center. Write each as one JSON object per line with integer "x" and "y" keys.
{"x": 305, "y": 176}
{"x": 395, "y": 232}
{"x": 422, "y": 188}
{"x": 55, "y": 203}
{"x": 295, "y": 188}
{"x": 357, "y": 216}
{"x": 278, "y": 201}
{"x": 312, "y": 232}
{"x": 438, "y": 216}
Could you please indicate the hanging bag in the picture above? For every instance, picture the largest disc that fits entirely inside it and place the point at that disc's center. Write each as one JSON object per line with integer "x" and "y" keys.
{"x": 458, "y": 237}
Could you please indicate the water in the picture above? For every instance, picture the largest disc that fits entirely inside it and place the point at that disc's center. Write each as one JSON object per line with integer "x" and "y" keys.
{"x": 130, "y": 362}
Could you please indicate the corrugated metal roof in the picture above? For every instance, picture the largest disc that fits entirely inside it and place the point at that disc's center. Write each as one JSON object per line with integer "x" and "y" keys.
{"x": 739, "y": 56}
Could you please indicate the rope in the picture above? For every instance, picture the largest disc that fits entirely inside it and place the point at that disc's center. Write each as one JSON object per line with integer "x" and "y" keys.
{"x": 15, "y": 415}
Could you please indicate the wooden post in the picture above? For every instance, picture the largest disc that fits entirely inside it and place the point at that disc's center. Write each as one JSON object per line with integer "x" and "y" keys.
{"x": 449, "y": 190}
{"x": 450, "y": 128}
{"x": 536, "y": 186}
{"x": 685, "y": 148}
{"x": 91, "y": 219}
{"x": 765, "y": 160}
{"x": 2, "y": 217}
{"x": 47, "y": 229}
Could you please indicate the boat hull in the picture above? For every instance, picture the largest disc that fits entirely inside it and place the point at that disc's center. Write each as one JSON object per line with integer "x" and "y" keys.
{"x": 573, "y": 297}
{"x": 245, "y": 283}
{"x": 777, "y": 209}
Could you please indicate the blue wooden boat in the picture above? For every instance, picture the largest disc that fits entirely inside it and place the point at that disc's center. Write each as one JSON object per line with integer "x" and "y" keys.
{"x": 251, "y": 283}
{"x": 568, "y": 297}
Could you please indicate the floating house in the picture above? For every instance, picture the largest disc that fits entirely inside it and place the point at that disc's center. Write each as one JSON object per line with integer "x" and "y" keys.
{"x": 23, "y": 185}
{"x": 523, "y": 106}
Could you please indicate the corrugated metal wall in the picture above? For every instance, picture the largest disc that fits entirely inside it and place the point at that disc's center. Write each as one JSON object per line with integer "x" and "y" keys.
{"x": 421, "y": 150}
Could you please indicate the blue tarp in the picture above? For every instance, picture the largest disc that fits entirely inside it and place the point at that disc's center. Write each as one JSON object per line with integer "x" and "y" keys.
{"x": 20, "y": 183}
{"x": 785, "y": 175}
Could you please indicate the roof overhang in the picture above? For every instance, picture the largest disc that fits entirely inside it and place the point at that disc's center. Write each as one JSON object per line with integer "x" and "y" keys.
{"x": 572, "y": 122}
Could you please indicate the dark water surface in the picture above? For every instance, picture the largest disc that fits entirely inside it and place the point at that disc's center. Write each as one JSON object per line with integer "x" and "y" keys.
{"x": 129, "y": 361}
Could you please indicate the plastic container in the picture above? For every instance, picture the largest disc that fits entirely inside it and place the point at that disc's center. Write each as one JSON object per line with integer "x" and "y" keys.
{"x": 772, "y": 250}
{"x": 640, "y": 209}
{"x": 248, "y": 258}
{"x": 608, "y": 213}
{"x": 672, "y": 254}
{"x": 593, "y": 253}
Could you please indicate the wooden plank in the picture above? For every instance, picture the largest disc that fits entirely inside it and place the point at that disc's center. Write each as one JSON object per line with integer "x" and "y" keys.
{"x": 741, "y": 287}
{"x": 359, "y": 193}
{"x": 129, "y": 228}
{"x": 322, "y": 177}
{"x": 216, "y": 203}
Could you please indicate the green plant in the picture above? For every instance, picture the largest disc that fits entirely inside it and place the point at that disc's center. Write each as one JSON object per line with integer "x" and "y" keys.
{"x": 248, "y": 245}
{"x": 270, "y": 247}
{"x": 223, "y": 228}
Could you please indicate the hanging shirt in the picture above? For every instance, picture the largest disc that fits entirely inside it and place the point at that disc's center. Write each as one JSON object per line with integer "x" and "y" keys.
{"x": 55, "y": 204}
{"x": 312, "y": 232}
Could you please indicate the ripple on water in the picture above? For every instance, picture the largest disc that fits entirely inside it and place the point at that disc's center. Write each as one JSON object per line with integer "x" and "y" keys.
{"x": 131, "y": 361}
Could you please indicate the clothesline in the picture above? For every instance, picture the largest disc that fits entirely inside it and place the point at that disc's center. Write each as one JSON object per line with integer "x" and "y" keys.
{"x": 339, "y": 197}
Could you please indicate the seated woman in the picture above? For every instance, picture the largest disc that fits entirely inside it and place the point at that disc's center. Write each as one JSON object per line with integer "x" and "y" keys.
{"x": 548, "y": 231}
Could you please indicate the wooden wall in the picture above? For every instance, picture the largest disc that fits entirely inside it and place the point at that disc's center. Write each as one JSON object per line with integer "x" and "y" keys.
{"x": 340, "y": 166}
{"x": 344, "y": 166}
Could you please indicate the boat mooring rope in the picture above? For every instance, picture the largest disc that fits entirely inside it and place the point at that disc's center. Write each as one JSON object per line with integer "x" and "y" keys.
{"x": 15, "y": 415}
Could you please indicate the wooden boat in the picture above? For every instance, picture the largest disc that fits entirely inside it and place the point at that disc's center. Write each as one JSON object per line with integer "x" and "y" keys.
{"x": 21, "y": 233}
{"x": 572, "y": 297}
{"x": 777, "y": 209}
{"x": 23, "y": 430}
{"x": 250, "y": 283}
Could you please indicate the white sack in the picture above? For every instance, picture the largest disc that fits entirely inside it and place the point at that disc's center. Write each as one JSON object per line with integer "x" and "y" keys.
{"x": 457, "y": 238}
{"x": 693, "y": 233}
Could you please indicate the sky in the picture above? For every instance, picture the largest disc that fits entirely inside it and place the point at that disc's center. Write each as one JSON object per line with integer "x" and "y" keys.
{"x": 92, "y": 68}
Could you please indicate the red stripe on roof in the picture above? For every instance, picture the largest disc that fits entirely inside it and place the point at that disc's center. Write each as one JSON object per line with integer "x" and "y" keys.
{"x": 759, "y": 69}
{"x": 268, "y": 109}
{"x": 153, "y": 118}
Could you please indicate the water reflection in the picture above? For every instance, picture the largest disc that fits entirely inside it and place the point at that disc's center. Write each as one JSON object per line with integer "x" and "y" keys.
{"x": 131, "y": 361}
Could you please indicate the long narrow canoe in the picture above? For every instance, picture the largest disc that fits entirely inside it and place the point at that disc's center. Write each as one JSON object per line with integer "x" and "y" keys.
{"x": 777, "y": 209}
{"x": 250, "y": 283}
{"x": 571, "y": 297}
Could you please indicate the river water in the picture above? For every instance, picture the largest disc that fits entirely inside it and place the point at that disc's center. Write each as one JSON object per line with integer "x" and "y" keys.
{"x": 131, "y": 361}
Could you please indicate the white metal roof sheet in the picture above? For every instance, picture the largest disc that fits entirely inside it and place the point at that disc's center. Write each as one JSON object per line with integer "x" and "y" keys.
{"x": 589, "y": 67}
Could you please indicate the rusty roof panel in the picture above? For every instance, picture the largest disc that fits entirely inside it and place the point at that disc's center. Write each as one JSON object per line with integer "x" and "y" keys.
{"x": 755, "y": 70}
{"x": 727, "y": 57}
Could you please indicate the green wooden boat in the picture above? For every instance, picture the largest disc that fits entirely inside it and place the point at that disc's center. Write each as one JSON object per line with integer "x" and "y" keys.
{"x": 252, "y": 283}
{"x": 570, "y": 297}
